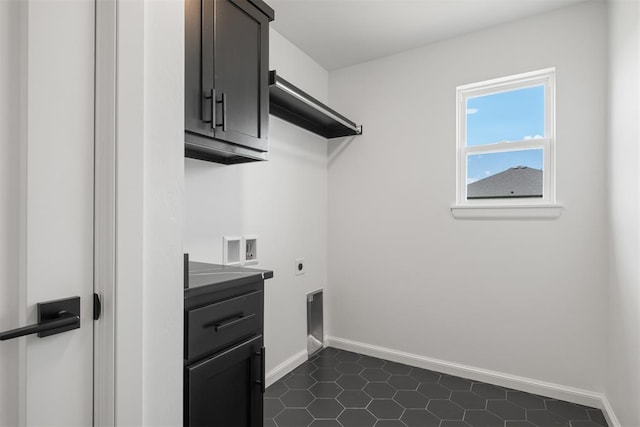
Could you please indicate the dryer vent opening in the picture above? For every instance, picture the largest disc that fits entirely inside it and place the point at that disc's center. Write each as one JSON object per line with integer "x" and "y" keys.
{"x": 315, "y": 331}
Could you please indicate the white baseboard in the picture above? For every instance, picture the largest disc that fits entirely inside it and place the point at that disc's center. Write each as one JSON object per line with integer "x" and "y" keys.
{"x": 285, "y": 367}
{"x": 609, "y": 415}
{"x": 556, "y": 391}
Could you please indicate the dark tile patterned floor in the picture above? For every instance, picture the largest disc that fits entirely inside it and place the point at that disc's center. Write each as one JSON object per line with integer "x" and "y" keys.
{"x": 343, "y": 389}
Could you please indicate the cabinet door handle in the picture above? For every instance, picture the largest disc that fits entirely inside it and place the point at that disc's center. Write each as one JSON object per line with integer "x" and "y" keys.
{"x": 211, "y": 98}
{"x": 262, "y": 381}
{"x": 223, "y": 101}
{"x": 236, "y": 320}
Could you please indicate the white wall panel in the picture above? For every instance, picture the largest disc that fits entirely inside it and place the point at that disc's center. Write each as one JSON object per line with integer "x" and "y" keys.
{"x": 521, "y": 297}
{"x": 623, "y": 373}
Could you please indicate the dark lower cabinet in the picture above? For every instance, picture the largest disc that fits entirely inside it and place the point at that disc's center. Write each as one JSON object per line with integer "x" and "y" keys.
{"x": 224, "y": 355}
{"x": 226, "y": 79}
{"x": 226, "y": 389}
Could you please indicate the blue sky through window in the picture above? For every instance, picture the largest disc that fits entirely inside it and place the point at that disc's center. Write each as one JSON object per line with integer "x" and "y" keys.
{"x": 507, "y": 116}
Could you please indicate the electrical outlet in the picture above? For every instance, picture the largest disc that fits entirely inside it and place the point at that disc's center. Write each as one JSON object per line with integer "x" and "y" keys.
{"x": 299, "y": 267}
{"x": 250, "y": 249}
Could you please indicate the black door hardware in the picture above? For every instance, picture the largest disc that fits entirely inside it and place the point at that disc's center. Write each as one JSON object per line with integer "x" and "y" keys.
{"x": 223, "y": 101}
{"x": 262, "y": 381}
{"x": 97, "y": 306}
{"x": 211, "y": 100}
{"x": 54, "y": 317}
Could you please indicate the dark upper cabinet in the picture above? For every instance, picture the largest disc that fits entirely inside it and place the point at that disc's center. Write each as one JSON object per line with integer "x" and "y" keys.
{"x": 226, "y": 79}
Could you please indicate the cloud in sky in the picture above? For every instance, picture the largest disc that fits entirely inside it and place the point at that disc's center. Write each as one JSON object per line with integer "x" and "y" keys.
{"x": 472, "y": 179}
{"x": 472, "y": 110}
{"x": 529, "y": 137}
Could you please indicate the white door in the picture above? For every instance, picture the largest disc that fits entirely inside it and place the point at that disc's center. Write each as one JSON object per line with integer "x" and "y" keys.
{"x": 46, "y": 206}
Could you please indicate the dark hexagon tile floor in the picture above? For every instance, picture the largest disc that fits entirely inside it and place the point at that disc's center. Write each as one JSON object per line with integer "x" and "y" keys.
{"x": 338, "y": 388}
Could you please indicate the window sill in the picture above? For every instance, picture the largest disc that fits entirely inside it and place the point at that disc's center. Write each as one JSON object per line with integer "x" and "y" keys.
{"x": 507, "y": 212}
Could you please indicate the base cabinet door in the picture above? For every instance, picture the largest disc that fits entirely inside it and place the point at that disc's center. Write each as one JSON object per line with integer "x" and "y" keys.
{"x": 225, "y": 390}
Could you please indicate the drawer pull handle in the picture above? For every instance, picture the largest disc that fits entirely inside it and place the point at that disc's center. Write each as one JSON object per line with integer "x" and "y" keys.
{"x": 236, "y": 320}
{"x": 262, "y": 381}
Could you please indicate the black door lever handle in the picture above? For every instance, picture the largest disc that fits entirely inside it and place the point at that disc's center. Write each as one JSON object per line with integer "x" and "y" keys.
{"x": 53, "y": 317}
{"x": 65, "y": 319}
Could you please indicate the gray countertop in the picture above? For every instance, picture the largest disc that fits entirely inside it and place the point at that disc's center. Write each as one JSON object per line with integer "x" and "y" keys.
{"x": 203, "y": 275}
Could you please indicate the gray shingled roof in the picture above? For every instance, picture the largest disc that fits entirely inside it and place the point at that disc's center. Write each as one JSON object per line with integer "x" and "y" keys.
{"x": 519, "y": 181}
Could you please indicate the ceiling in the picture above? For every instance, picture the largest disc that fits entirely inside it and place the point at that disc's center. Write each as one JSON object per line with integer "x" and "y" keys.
{"x": 339, "y": 33}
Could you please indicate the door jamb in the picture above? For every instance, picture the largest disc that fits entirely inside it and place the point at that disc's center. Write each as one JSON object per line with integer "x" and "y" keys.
{"x": 119, "y": 212}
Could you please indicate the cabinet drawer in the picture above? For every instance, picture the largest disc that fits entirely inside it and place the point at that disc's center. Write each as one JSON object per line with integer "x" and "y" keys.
{"x": 219, "y": 325}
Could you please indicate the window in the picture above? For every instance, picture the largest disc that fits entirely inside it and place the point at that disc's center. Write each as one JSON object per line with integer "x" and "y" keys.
{"x": 505, "y": 141}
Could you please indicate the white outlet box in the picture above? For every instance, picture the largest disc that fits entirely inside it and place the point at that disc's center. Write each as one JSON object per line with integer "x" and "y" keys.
{"x": 232, "y": 253}
{"x": 300, "y": 267}
{"x": 250, "y": 244}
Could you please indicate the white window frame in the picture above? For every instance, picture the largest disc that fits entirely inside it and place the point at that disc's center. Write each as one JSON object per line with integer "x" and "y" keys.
{"x": 546, "y": 78}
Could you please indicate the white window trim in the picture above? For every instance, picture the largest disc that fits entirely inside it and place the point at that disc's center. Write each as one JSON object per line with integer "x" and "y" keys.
{"x": 544, "y": 207}
{"x": 507, "y": 212}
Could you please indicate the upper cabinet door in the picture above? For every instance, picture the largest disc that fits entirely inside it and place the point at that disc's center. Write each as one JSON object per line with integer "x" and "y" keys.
{"x": 198, "y": 73}
{"x": 241, "y": 62}
{"x": 226, "y": 79}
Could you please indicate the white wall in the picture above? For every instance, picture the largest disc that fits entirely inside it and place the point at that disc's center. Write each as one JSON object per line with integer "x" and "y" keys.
{"x": 128, "y": 303}
{"x": 150, "y": 186}
{"x": 163, "y": 213}
{"x": 524, "y": 298}
{"x": 282, "y": 200}
{"x": 623, "y": 379}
